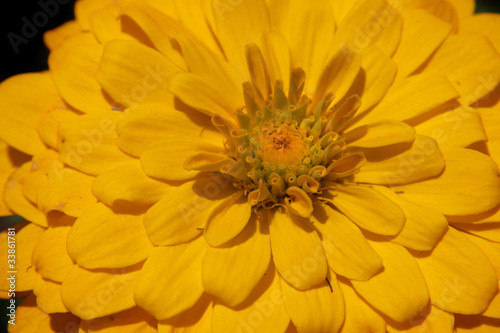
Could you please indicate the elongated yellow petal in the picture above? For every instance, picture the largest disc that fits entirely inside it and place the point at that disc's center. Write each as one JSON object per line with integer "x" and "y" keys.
{"x": 50, "y": 256}
{"x": 201, "y": 95}
{"x": 422, "y": 35}
{"x": 53, "y": 38}
{"x": 74, "y": 77}
{"x": 237, "y": 24}
{"x": 381, "y": 133}
{"x": 402, "y": 164}
{"x": 81, "y": 289}
{"x": 460, "y": 277}
{"x": 263, "y": 310}
{"x": 277, "y": 56}
{"x": 306, "y": 308}
{"x": 171, "y": 293}
{"x": 228, "y": 277}
{"x": 483, "y": 24}
{"x": 148, "y": 123}
{"x": 399, "y": 291}
{"x": 89, "y": 240}
{"x": 34, "y": 320}
{"x": 470, "y": 62}
{"x": 48, "y": 295}
{"x": 141, "y": 77}
{"x": 476, "y": 193}
{"x": 48, "y": 125}
{"x": 227, "y": 220}
{"x": 369, "y": 209}
{"x": 465, "y": 8}
{"x": 423, "y": 227}
{"x": 23, "y": 99}
{"x": 491, "y": 123}
{"x": 359, "y": 316}
{"x": 369, "y": 22}
{"x": 181, "y": 215}
{"x": 139, "y": 189}
{"x": 460, "y": 127}
{"x": 303, "y": 266}
{"x": 346, "y": 248}
{"x": 197, "y": 319}
{"x": 27, "y": 235}
{"x": 165, "y": 159}
{"x": 412, "y": 97}
{"x": 488, "y": 231}
{"x": 379, "y": 72}
{"x": 87, "y": 143}
{"x": 431, "y": 319}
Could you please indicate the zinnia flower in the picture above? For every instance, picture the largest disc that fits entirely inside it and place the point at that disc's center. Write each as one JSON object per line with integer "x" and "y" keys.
{"x": 258, "y": 166}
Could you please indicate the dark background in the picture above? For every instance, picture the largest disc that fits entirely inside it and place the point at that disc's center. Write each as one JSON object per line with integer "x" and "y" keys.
{"x": 32, "y": 55}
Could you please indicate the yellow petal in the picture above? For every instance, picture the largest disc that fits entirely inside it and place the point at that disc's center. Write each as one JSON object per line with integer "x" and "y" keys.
{"x": 165, "y": 159}
{"x": 10, "y": 160}
{"x": 23, "y": 100}
{"x": 491, "y": 123}
{"x": 87, "y": 143}
{"x": 106, "y": 24}
{"x": 181, "y": 215}
{"x": 412, "y": 97}
{"x": 227, "y": 220}
{"x": 478, "y": 190}
{"x": 359, "y": 316}
{"x": 26, "y": 237}
{"x": 50, "y": 256}
{"x": 171, "y": 293}
{"x": 483, "y": 24}
{"x": 148, "y": 123}
{"x": 57, "y": 55}
{"x": 399, "y": 291}
{"x": 236, "y": 25}
{"x": 338, "y": 74}
{"x": 299, "y": 202}
{"x": 306, "y": 308}
{"x": 232, "y": 271}
{"x": 303, "y": 266}
{"x": 84, "y": 9}
{"x": 309, "y": 28}
{"x": 430, "y": 319}
{"x": 277, "y": 57}
{"x": 422, "y": 35}
{"x": 100, "y": 237}
{"x": 29, "y": 318}
{"x": 211, "y": 67}
{"x": 48, "y": 296}
{"x": 460, "y": 127}
{"x": 443, "y": 10}
{"x": 134, "y": 320}
{"x": 464, "y": 8}
{"x": 402, "y": 164}
{"x": 369, "y": 209}
{"x": 470, "y": 62}
{"x": 54, "y": 37}
{"x": 201, "y": 95}
{"x": 140, "y": 77}
{"x": 369, "y": 23}
{"x": 197, "y": 319}
{"x": 92, "y": 294}
{"x": 379, "y": 72}
{"x": 459, "y": 275}
{"x": 346, "y": 248}
{"x": 423, "y": 227}
{"x": 139, "y": 189}
{"x": 380, "y": 133}
{"x": 262, "y": 311}
{"x": 490, "y": 231}
{"x": 74, "y": 77}
{"x": 15, "y": 199}
{"x": 48, "y": 125}
{"x": 492, "y": 251}
{"x": 66, "y": 190}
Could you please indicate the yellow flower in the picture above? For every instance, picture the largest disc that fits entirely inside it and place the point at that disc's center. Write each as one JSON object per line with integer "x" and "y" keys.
{"x": 258, "y": 166}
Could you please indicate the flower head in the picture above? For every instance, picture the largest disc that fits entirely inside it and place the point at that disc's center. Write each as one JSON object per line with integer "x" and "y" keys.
{"x": 241, "y": 166}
